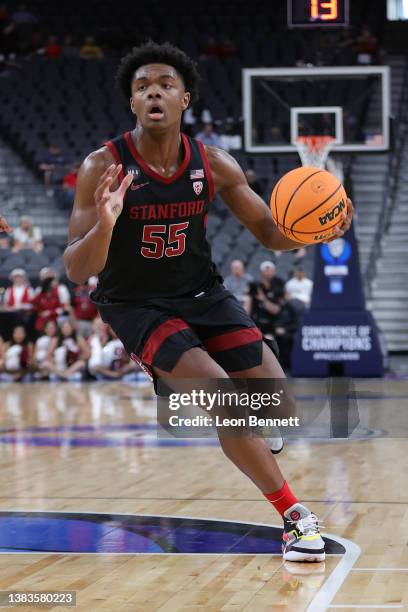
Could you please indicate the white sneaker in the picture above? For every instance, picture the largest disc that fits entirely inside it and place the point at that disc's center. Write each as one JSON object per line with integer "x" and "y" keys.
{"x": 301, "y": 536}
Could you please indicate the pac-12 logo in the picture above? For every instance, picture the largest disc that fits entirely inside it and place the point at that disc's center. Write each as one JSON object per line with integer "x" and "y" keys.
{"x": 134, "y": 171}
{"x": 198, "y": 187}
{"x": 333, "y": 213}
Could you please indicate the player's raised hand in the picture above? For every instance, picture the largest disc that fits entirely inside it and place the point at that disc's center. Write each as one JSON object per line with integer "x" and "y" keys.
{"x": 345, "y": 222}
{"x": 4, "y": 226}
{"x": 109, "y": 202}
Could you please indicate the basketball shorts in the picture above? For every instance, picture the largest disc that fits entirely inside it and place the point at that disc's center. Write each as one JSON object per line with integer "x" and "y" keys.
{"x": 157, "y": 332}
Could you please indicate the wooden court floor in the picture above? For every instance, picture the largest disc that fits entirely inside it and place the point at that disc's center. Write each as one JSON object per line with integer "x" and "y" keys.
{"x": 358, "y": 488}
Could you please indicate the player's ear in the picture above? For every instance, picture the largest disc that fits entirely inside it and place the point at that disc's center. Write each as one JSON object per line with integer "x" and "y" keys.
{"x": 186, "y": 100}
{"x": 132, "y": 108}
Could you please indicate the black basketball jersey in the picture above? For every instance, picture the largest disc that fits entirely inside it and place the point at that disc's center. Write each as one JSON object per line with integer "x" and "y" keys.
{"x": 159, "y": 246}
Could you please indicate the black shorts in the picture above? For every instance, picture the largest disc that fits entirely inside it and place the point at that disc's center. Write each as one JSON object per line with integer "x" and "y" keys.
{"x": 157, "y": 332}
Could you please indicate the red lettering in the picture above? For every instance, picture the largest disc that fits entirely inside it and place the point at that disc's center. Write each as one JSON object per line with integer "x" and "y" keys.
{"x": 152, "y": 212}
{"x": 134, "y": 212}
{"x": 190, "y": 208}
{"x": 173, "y": 210}
{"x": 182, "y": 209}
{"x": 162, "y": 211}
{"x": 200, "y": 206}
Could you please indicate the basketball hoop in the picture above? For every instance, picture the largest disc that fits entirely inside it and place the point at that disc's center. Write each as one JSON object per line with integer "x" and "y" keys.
{"x": 314, "y": 150}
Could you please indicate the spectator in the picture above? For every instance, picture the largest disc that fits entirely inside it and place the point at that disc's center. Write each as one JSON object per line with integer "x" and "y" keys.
{"x": 67, "y": 361}
{"x": 84, "y": 309}
{"x": 253, "y": 181}
{"x": 16, "y": 356}
{"x": 114, "y": 362}
{"x": 226, "y": 49}
{"x": 286, "y": 324}
{"x": 264, "y": 298}
{"x": 24, "y": 22}
{"x": 230, "y": 139}
{"x": 64, "y": 295}
{"x": 44, "y": 346}
{"x": 27, "y": 236}
{"x": 238, "y": 281}
{"x": 208, "y": 137}
{"x": 47, "y": 304}
{"x": 67, "y": 192}
{"x": 52, "y": 161}
{"x": 20, "y": 294}
{"x": 90, "y": 50}
{"x": 367, "y": 46}
{"x": 53, "y": 49}
{"x": 69, "y": 50}
{"x": 299, "y": 287}
{"x": 96, "y": 342}
{"x": 211, "y": 49}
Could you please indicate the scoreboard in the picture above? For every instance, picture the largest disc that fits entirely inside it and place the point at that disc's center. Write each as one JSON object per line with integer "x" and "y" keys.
{"x": 312, "y": 13}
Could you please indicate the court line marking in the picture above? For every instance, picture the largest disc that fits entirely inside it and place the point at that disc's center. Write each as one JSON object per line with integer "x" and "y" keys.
{"x": 371, "y": 606}
{"x": 320, "y": 602}
{"x": 380, "y": 569}
{"x": 333, "y": 583}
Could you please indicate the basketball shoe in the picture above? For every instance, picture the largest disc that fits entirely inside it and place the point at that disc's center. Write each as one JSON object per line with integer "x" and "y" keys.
{"x": 301, "y": 536}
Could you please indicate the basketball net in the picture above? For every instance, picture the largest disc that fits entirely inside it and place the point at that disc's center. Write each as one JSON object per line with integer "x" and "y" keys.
{"x": 314, "y": 150}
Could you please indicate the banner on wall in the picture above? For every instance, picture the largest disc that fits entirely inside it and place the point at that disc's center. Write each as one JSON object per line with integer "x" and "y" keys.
{"x": 338, "y": 336}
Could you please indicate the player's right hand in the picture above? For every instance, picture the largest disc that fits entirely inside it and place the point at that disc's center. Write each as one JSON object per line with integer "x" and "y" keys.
{"x": 109, "y": 203}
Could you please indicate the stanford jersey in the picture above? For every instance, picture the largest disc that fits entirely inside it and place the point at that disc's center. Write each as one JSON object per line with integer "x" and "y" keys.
{"x": 159, "y": 247}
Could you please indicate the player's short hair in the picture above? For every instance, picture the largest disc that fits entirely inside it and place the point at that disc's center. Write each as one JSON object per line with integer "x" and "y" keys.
{"x": 153, "y": 53}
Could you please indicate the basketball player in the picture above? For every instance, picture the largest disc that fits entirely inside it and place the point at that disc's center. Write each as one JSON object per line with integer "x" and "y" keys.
{"x": 138, "y": 222}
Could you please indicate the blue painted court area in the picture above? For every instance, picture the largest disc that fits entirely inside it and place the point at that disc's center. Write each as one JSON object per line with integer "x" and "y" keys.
{"x": 23, "y": 532}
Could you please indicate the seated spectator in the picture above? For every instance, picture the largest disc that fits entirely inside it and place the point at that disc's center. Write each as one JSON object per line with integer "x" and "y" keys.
{"x": 20, "y": 294}
{"x": 67, "y": 359}
{"x": 96, "y": 342}
{"x": 50, "y": 163}
{"x": 253, "y": 181}
{"x": 299, "y": 287}
{"x": 114, "y": 363}
{"x": 211, "y": 49}
{"x": 264, "y": 298}
{"x": 69, "y": 50}
{"x": 84, "y": 309}
{"x": 46, "y": 304}
{"x": 230, "y": 140}
{"x": 27, "y": 236}
{"x": 226, "y": 49}
{"x": 67, "y": 192}
{"x": 90, "y": 50}
{"x": 238, "y": 281}
{"x": 43, "y": 347}
{"x": 208, "y": 137}
{"x": 286, "y": 324}
{"x": 53, "y": 49}
{"x": 64, "y": 295}
{"x": 367, "y": 46}
{"x": 16, "y": 356}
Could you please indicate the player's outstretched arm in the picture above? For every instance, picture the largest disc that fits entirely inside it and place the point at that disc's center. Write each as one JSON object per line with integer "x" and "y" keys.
{"x": 247, "y": 206}
{"x": 97, "y": 207}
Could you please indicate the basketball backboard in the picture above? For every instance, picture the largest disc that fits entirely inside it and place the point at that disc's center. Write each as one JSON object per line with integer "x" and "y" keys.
{"x": 350, "y": 104}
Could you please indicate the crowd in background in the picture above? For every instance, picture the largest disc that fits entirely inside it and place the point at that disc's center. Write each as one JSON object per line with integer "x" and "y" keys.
{"x": 58, "y": 335}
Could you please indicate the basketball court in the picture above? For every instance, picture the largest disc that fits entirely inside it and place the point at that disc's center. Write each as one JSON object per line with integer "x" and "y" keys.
{"x": 93, "y": 502}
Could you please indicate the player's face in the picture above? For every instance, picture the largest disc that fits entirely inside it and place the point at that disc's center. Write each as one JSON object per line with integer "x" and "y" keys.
{"x": 158, "y": 96}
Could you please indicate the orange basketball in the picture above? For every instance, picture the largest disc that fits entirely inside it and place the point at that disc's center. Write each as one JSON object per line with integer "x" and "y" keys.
{"x": 307, "y": 204}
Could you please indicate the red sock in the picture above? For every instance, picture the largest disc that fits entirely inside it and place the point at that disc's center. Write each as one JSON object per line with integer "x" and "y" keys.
{"x": 282, "y": 499}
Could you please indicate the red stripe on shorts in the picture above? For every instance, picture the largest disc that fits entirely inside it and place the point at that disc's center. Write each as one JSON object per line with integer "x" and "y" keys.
{"x": 159, "y": 335}
{"x": 232, "y": 339}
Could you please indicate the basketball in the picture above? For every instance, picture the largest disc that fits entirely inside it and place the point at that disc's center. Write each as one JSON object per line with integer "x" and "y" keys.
{"x": 307, "y": 203}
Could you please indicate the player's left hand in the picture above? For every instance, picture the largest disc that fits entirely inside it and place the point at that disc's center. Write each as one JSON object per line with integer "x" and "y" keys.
{"x": 344, "y": 224}
{"x": 4, "y": 226}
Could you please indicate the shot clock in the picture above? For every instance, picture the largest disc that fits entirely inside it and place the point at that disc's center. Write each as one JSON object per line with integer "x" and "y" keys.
{"x": 312, "y": 13}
